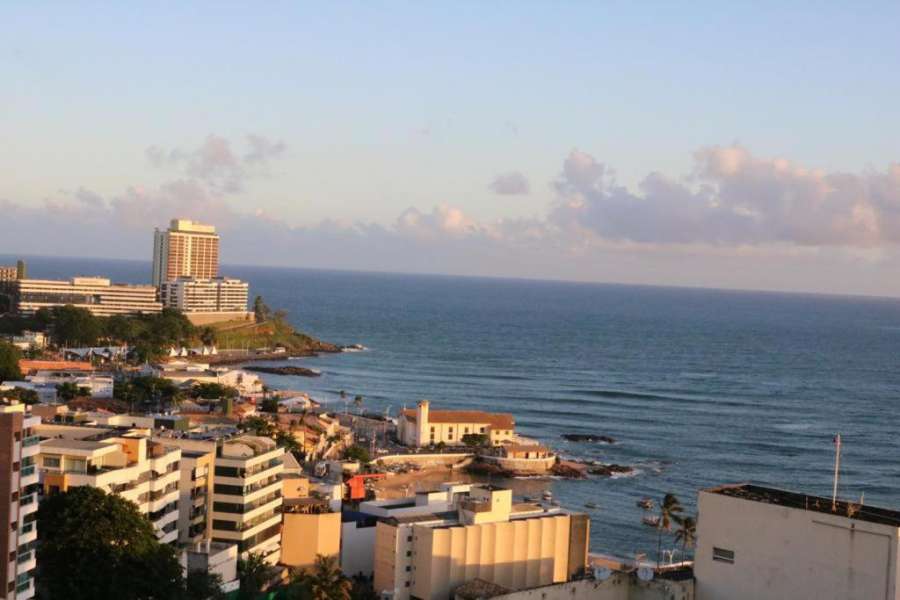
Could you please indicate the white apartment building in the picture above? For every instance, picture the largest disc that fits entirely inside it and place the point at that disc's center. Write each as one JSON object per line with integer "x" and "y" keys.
{"x": 97, "y": 294}
{"x": 132, "y": 466}
{"x": 758, "y": 542}
{"x": 19, "y": 488}
{"x": 247, "y": 496}
{"x": 217, "y": 295}
{"x": 186, "y": 249}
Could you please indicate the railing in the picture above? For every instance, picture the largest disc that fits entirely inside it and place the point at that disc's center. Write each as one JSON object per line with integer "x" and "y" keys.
{"x": 24, "y": 558}
{"x": 26, "y": 500}
{"x": 23, "y": 586}
{"x": 26, "y": 528}
{"x": 26, "y": 471}
{"x": 31, "y": 440}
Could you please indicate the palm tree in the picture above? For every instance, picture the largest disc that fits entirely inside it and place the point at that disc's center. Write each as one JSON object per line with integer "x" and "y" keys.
{"x": 254, "y": 574}
{"x": 686, "y": 534}
{"x": 323, "y": 582}
{"x": 668, "y": 512}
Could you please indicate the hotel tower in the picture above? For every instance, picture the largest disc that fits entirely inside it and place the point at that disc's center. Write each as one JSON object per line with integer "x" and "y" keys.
{"x": 186, "y": 249}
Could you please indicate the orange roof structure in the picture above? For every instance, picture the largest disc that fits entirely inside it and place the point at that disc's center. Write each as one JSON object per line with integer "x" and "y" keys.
{"x": 495, "y": 420}
{"x": 31, "y": 366}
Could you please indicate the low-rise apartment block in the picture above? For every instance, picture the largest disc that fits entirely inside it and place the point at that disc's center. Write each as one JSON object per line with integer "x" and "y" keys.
{"x": 758, "y": 542}
{"x": 486, "y": 537}
{"x": 19, "y": 488}
{"x": 97, "y": 294}
{"x": 132, "y": 466}
{"x": 425, "y": 427}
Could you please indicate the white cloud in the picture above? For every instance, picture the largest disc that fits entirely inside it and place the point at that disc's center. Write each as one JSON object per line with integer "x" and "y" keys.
{"x": 513, "y": 183}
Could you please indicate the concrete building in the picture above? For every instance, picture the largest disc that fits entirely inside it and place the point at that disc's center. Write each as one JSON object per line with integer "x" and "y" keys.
{"x": 758, "y": 542}
{"x": 195, "y": 494}
{"x": 131, "y": 465}
{"x": 426, "y": 427}
{"x": 247, "y": 496}
{"x": 189, "y": 294}
{"x": 97, "y": 294}
{"x": 310, "y": 529}
{"x": 12, "y": 273}
{"x": 615, "y": 585}
{"x": 207, "y": 300}
{"x": 215, "y": 558}
{"x": 487, "y": 537}
{"x": 186, "y": 249}
{"x": 19, "y": 488}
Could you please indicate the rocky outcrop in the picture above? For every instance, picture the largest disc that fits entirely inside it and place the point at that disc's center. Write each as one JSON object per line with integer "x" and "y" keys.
{"x": 299, "y": 371}
{"x": 588, "y": 437}
{"x": 609, "y": 470}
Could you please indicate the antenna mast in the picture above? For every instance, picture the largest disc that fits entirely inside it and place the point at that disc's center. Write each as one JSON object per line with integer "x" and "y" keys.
{"x": 837, "y": 469}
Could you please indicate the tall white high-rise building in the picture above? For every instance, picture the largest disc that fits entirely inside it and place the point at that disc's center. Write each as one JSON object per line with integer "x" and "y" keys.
{"x": 186, "y": 249}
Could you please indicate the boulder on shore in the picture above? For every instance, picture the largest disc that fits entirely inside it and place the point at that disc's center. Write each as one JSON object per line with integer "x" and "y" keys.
{"x": 588, "y": 437}
{"x": 609, "y": 470}
{"x": 301, "y": 371}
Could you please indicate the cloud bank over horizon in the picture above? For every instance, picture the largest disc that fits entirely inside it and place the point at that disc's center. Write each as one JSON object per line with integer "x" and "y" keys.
{"x": 736, "y": 220}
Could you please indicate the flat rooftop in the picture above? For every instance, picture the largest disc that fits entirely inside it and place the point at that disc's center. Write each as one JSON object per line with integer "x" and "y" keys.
{"x": 767, "y": 495}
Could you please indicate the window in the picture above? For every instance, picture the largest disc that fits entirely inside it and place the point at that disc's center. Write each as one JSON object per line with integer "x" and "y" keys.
{"x": 481, "y": 430}
{"x": 406, "y": 584}
{"x": 51, "y": 462}
{"x": 409, "y": 538}
{"x": 722, "y": 555}
{"x": 408, "y": 568}
{"x": 409, "y": 553}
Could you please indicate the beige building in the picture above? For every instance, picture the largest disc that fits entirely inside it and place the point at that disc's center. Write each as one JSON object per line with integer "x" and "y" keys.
{"x": 215, "y": 558}
{"x": 426, "y": 427}
{"x": 757, "y": 542}
{"x": 97, "y": 294}
{"x": 487, "y": 537}
{"x": 222, "y": 297}
{"x": 186, "y": 249}
{"x": 132, "y": 466}
{"x": 310, "y": 529}
{"x": 195, "y": 493}
{"x": 19, "y": 488}
{"x": 247, "y": 496}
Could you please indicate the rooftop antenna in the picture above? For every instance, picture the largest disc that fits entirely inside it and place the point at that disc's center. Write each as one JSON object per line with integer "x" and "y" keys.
{"x": 837, "y": 469}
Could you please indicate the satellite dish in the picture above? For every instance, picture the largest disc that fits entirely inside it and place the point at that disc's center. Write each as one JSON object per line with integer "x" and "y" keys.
{"x": 645, "y": 574}
{"x": 602, "y": 573}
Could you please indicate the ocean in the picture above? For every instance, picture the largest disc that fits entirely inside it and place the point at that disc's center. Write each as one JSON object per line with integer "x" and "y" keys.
{"x": 697, "y": 387}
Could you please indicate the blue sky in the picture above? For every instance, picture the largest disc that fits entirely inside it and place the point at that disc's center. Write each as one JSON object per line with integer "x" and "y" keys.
{"x": 384, "y": 107}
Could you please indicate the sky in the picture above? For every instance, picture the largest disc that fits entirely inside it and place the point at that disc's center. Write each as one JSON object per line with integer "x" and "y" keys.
{"x": 720, "y": 144}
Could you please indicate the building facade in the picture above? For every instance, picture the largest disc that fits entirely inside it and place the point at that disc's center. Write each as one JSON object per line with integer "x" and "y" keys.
{"x": 137, "y": 469}
{"x": 186, "y": 249}
{"x": 757, "y": 542}
{"x": 247, "y": 496}
{"x": 487, "y": 537}
{"x": 19, "y": 488}
{"x": 97, "y": 294}
{"x": 193, "y": 295}
{"x": 425, "y": 427}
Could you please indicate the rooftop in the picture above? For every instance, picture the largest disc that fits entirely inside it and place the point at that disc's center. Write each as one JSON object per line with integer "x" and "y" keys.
{"x": 495, "y": 420}
{"x": 766, "y": 495}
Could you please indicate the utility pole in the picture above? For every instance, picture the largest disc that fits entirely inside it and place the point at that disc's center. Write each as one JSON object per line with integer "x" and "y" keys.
{"x": 837, "y": 469}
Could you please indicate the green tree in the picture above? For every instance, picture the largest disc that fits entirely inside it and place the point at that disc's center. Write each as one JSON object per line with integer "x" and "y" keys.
{"x": 686, "y": 534}
{"x": 146, "y": 391}
{"x": 70, "y": 390}
{"x": 203, "y": 585}
{"x": 259, "y": 426}
{"x": 323, "y": 582}
{"x": 75, "y": 326}
{"x": 9, "y": 362}
{"x": 260, "y": 309}
{"x": 109, "y": 545}
{"x": 213, "y": 391}
{"x": 269, "y": 405}
{"x": 475, "y": 440}
{"x": 669, "y": 509}
{"x": 254, "y": 574}
{"x": 357, "y": 453}
{"x": 207, "y": 336}
{"x": 22, "y": 395}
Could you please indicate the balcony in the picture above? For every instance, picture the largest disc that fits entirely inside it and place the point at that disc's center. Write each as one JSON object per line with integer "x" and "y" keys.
{"x": 31, "y": 440}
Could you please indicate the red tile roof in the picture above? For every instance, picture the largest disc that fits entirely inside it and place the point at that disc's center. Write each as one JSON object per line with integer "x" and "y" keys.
{"x": 29, "y": 366}
{"x": 495, "y": 420}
